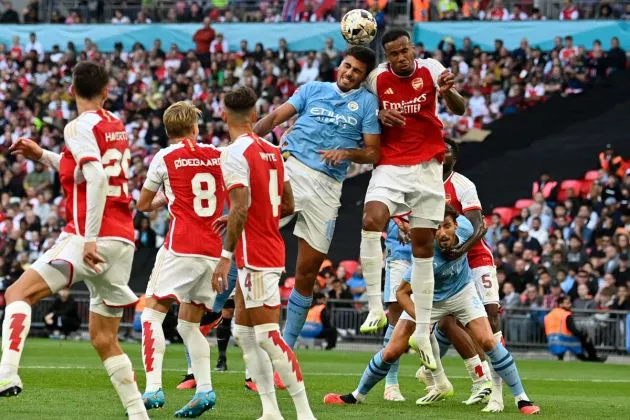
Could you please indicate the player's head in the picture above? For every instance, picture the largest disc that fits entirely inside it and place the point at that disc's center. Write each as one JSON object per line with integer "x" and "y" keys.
{"x": 399, "y": 51}
{"x": 239, "y": 106}
{"x": 450, "y": 156}
{"x": 181, "y": 120}
{"x": 89, "y": 81}
{"x": 445, "y": 234}
{"x": 356, "y": 65}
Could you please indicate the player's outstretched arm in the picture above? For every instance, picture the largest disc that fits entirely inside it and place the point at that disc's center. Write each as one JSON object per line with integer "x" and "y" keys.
{"x": 454, "y": 101}
{"x": 287, "y": 205}
{"x": 31, "y": 150}
{"x": 151, "y": 200}
{"x": 280, "y": 115}
{"x": 369, "y": 153}
{"x": 403, "y": 296}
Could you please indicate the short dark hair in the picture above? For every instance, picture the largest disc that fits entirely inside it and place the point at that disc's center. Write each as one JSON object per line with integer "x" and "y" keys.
{"x": 89, "y": 79}
{"x": 450, "y": 212}
{"x": 240, "y": 100}
{"x": 454, "y": 146}
{"x": 393, "y": 35}
{"x": 364, "y": 55}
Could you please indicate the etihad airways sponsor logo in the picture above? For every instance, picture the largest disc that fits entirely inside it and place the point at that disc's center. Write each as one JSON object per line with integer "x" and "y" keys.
{"x": 182, "y": 163}
{"x": 412, "y": 106}
{"x": 328, "y": 116}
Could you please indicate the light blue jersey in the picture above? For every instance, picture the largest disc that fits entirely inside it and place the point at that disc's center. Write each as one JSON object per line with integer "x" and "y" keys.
{"x": 329, "y": 119}
{"x": 450, "y": 276}
{"x": 396, "y": 250}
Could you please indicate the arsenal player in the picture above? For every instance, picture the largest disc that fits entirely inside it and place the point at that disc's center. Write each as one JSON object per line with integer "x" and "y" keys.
{"x": 260, "y": 195}
{"x": 190, "y": 175}
{"x": 408, "y": 178}
{"x": 96, "y": 246}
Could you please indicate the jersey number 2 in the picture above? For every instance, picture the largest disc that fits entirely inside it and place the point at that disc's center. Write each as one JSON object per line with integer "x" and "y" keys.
{"x": 114, "y": 162}
{"x": 206, "y": 194}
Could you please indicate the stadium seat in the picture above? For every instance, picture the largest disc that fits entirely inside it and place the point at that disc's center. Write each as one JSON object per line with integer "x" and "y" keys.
{"x": 523, "y": 203}
{"x": 586, "y": 187}
{"x": 574, "y": 184}
{"x": 350, "y": 266}
{"x": 506, "y": 213}
{"x": 591, "y": 175}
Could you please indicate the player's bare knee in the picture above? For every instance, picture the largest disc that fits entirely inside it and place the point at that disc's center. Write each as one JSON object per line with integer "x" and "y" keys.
{"x": 103, "y": 341}
{"x": 487, "y": 343}
{"x": 392, "y": 352}
{"x": 14, "y": 293}
{"x": 421, "y": 249}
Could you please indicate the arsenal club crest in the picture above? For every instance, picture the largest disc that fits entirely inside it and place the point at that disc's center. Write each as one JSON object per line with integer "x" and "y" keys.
{"x": 417, "y": 83}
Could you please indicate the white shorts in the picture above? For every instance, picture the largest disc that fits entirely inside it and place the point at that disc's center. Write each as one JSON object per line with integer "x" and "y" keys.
{"x": 260, "y": 288}
{"x": 62, "y": 266}
{"x": 485, "y": 279}
{"x": 187, "y": 279}
{"x": 394, "y": 271}
{"x": 317, "y": 201}
{"x": 465, "y": 306}
{"x": 418, "y": 189}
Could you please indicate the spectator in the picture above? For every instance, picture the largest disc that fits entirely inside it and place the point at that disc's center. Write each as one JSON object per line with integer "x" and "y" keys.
{"x": 576, "y": 256}
{"x": 356, "y": 284}
{"x": 493, "y": 233}
{"x": 616, "y": 55}
{"x": 330, "y": 50}
{"x": 621, "y": 273}
{"x": 518, "y": 13}
{"x": 570, "y": 11}
{"x": 621, "y": 301}
{"x": 611, "y": 162}
{"x": 510, "y": 299}
{"x": 520, "y": 277}
{"x": 38, "y": 180}
{"x": 527, "y": 240}
{"x": 156, "y": 133}
{"x": 498, "y": 12}
{"x": 146, "y": 236}
{"x": 309, "y": 72}
{"x": 120, "y": 18}
{"x": 34, "y": 45}
{"x": 546, "y": 186}
{"x": 9, "y": 15}
{"x": 563, "y": 335}
{"x": 537, "y": 232}
{"x": 203, "y": 38}
{"x": 550, "y": 300}
{"x": 63, "y": 318}
{"x": 339, "y": 291}
{"x": 219, "y": 45}
{"x": 584, "y": 300}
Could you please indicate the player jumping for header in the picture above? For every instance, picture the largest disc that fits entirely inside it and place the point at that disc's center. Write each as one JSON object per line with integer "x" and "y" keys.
{"x": 408, "y": 178}
{"x": 336, "y": 124}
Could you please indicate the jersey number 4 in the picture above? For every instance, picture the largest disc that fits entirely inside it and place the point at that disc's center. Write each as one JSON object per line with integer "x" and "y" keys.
{"x": 204, "y": 195}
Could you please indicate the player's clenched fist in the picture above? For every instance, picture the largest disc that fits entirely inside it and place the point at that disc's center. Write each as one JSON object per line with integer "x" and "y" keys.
{"x": 220, "y": 275}
{"x": 391, "y": 118}
{"x": 446, "y": 81}
{"x": 26, "y": 147}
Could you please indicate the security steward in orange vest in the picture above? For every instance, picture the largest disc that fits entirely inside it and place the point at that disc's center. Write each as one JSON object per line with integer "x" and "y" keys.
{"x": 318, "y": 324}
{"x": 563, "y": 335}
{"x": 611, "y": 163}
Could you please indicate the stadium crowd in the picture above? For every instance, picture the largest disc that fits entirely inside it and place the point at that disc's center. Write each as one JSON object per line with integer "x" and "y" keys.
{"x": 572, "y": 242}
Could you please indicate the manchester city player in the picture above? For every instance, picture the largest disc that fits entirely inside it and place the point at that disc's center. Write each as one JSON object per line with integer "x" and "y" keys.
{"x": 454, "y": 294}
{"x": 336, "y": 124}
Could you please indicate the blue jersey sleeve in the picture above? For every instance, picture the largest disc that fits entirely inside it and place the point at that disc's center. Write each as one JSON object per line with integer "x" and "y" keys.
{"x": 370, "y": 121}
{"x": 298, "y": 100}
{"x": 464, "y": 229}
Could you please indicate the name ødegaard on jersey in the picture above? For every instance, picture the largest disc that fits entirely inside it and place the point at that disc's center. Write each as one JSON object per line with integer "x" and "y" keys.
{"x": 181, "y": 162}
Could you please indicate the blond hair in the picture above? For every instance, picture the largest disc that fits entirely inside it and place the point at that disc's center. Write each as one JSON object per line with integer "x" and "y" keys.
{"x": 180, "y": 119}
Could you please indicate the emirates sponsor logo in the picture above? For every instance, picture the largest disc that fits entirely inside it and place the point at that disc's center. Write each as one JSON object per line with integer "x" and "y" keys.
{"x": 417, "y": 83}
{"x": 182, "y": 163}
{"x": 412, "y": 106}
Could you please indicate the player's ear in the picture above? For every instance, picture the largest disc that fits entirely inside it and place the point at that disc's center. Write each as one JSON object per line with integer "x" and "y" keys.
{"x": 196, "y": 131}
{"x": 224, "y": 116}
{"x": 72, "y": 92}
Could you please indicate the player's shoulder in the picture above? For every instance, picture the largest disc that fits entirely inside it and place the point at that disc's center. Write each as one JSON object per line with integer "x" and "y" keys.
{"x": 380, "y": 69}
{"x": 208, "y": 149}
{"x": 84, "y": 122}
{"x": 461, "y": 182}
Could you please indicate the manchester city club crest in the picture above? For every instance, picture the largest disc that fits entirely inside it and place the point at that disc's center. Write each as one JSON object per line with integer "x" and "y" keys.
{"x": 417, "y": 83}
{"x": 353, "y": 106}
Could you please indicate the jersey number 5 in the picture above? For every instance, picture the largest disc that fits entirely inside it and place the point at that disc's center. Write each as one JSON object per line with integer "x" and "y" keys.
{"x": 114, "y": 162}
{"x": 204, "y": 195}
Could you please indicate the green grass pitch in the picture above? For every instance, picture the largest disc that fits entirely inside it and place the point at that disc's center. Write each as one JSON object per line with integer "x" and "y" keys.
{"x": 65, "y": 380}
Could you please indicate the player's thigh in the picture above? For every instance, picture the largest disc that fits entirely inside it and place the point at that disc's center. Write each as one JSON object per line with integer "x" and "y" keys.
{"x": 30, "y": 288}
{"x": 109, "y": 290}
{"x": 399, "y": 341}
{"x": 309, "y": 261}
{"x": 388, "y": 186}
{"x": 487, "y": 284}
{"x": 200, "y": 292}
{"x": 426, "y": 200}
{"x": 394, "y": 272}
{"x": 259, "y": 288}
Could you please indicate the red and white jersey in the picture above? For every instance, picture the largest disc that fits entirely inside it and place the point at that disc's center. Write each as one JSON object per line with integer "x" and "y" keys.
{"x": 461, "y": 194}
{"x": 191, "y": 176}
{"x": 566, "y": 53}
{"x": 570, "y": 13}
{"x": 257, "y": 164}
{"x": 499, "y": 13}
{"x": 97, "y": 136}
{"x": 416, "y": 97}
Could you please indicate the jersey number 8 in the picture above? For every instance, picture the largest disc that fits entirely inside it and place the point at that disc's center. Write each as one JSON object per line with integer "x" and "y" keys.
{"x": 206, "y": 194}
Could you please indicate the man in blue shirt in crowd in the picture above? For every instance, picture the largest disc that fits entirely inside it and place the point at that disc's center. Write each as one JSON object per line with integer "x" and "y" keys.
{"x": 336, "y": 124}
{"x": 454, "y": 294}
